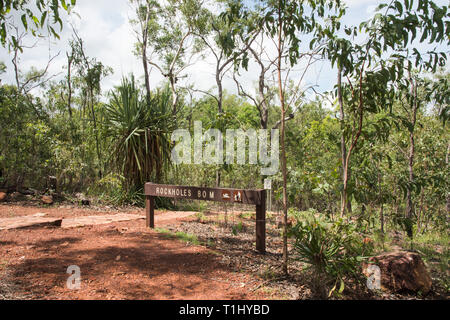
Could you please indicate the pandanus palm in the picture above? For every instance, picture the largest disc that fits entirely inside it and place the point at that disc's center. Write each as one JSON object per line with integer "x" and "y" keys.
{"x": 140, "y": 132}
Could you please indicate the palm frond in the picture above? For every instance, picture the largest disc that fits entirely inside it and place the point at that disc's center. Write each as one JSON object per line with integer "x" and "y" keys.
{"x": 141, "y": 131}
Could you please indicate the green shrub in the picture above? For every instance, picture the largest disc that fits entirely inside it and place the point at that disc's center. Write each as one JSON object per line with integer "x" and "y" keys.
{"x": 200, "y": 217}
{"x": 110, "y": 189}
{"x": 333, "y": 249}
{"x": 237, "y": 228}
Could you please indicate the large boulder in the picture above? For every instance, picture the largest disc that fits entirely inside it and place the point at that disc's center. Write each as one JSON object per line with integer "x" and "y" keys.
{"x": 401, "y": 271}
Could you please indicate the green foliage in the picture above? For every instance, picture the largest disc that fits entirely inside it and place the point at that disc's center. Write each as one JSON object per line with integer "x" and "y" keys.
{"x": 110, "y": 189}
{"x": 185, "y": 237}
{"x": 237, "y": 228}
{"x": 25, "y": 138}
{"x": 33, "y": 17}
{"x": 200, "y": 217}
{"x": 334, "y": 249}
{"x": 139, "y": 133}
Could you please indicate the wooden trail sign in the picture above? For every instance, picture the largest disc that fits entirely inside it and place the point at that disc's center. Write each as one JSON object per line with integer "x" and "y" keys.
{"x": 253, "y": 197}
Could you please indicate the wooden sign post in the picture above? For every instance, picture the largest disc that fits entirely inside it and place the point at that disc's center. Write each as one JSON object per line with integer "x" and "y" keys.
{"x": 253, "y": 197}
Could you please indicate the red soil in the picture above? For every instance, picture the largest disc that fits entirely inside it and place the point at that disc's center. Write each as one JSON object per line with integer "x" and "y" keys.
{"x": 121, "y": 260}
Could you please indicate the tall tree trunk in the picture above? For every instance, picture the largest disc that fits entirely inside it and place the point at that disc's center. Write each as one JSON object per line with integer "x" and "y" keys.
{"x": 172, "y": 81}
{"x": 380, "y": 199}
{"x": 343, "y": 144}
{"x": 264, "y": 113}
{"x": 411, "y": 154}
{"x": 382, "y": 218}
{"x": 420, "y": 213}
{"x": 97, "y": 143}
{"x": 283, "y": 148}
{"x": 145, "y": 65}
{"x": 69, "y": 84}
{"x": 263, "y": 104}
{"x": 409, "y": 202}
{"x": 220, "y": 111}
{"x": 219, "y": 89}
{"x": 218, "y": 178}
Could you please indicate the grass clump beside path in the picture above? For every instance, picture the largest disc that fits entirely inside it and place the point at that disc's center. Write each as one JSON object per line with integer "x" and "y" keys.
{"x": 185, "y": 237}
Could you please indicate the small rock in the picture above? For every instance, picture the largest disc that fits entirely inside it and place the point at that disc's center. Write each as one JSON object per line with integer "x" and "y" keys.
{"x": 16, "y": 196}
{"x": 79, "y": 195}
{"x": 47, "y": 199}
{"x": 3, "y": 196}
{"x": 122, "y": 230}
{"x": 118, "y": 258}
{"x": 39, "y": 214}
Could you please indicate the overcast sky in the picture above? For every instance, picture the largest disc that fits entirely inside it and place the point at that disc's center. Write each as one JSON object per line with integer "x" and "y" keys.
{"x": 104, "y": 26}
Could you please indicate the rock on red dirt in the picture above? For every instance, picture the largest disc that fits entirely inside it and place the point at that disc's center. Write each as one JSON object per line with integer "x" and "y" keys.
{"x": 402, "y": 271}
{"x": 47, "y": 199}
{"x": 28, "y": 222}
{"x": 2, "y": 196}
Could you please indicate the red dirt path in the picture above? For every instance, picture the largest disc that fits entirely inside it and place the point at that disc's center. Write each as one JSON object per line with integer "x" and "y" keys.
{"x": 121, "y": 260}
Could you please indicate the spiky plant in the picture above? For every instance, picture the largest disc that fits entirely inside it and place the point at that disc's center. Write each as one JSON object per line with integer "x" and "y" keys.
{"x": 139, "y": 132}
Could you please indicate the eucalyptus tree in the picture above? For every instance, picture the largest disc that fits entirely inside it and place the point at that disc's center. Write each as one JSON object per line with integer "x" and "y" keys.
{"x": 166, "y": 39}
{"x": 265, "y": 94}
{"x": 371, "y": 67}
{"x": 215, "y": 35}
{"x": 414, "y": 95}
{"x": 27, "y": 81}
{"x": 90, "y": 72}
{"x": 372, "y": 164}
{"x": 20, "y": 40}
{"x": 226, "y": 43}
{"x": 144, "y": 16}
{"x": 410, "y": 102}
{"x": 286, "y": 23}
{"x": 70, "y": 61}
{"x": 68, "y": 85}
